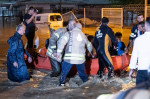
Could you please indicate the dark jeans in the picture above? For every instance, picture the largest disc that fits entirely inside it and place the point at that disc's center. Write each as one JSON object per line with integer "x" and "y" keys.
{"x": 55, "y": 66}
{"x": 66, "y": 68}
{"x": 30, "y": 36}
{"x": 142, "y": 76}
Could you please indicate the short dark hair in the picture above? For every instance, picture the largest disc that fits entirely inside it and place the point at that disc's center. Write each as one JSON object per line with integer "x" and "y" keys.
{"x": 31, "y": 8}
{"x": 118, "y": 34}
{"x": 148, "y": 20}
{"x": 90, "y": 38}
{"x": 140, "y": 14}
{"x": 105, "y": 20}
{"x": 141, "y": 23}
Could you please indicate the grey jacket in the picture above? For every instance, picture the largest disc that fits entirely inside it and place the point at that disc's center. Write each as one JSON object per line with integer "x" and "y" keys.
{"x": 75, "y": 43}
{"x": 52, "y": 48}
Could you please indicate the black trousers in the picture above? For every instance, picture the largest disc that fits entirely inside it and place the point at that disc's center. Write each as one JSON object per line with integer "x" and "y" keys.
{"x": 104, "y": 62}
{"x": 55, "y": 66}
{"x": 30, "y": 36}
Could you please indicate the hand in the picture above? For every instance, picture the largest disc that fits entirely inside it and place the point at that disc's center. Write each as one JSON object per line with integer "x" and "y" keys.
{"x": 34, "y": 14}
{"x": 115, "y": 47}
{"x": 126, "y": 51}
{"x": 130, "y": 74}
{"x": 89, "y": 54}
{"x": 59, "y": 58}
{"x": 15, "y": 64}
{"x": 29, "y": 59}
{"x": 94, "y": 54}
{"x": 55, "y": 54}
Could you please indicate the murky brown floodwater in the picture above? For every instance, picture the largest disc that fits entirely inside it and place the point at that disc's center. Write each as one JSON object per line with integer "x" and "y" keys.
{"x": 42, "y": 86}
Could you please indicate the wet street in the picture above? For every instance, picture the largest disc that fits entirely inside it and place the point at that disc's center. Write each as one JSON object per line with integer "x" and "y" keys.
{"x": 42, "y": 86}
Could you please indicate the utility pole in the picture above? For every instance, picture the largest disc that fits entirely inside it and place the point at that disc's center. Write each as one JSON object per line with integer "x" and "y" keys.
{"x": 84, "y": 17}
{"x": 145, "y": 9}
{"x": 60, "y": 5}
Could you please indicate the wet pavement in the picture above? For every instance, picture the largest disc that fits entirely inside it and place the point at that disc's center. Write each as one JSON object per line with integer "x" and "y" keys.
{"x": 41, "y": 85}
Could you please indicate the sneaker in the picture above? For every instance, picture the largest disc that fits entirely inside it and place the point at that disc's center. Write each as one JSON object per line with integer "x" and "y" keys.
{"x": 62, "y": 85}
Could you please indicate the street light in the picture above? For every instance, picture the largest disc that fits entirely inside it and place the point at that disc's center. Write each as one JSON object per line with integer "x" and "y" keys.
{"x": 145, "y": 9}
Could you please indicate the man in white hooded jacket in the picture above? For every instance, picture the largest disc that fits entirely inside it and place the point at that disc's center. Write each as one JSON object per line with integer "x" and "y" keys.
{"x": 75, "y": 43}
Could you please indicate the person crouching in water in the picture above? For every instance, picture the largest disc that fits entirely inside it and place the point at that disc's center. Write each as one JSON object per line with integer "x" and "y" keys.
{"x": 75, "y": 43}
{"x": 16, "y": 67}
{"x": 121, "y": 46}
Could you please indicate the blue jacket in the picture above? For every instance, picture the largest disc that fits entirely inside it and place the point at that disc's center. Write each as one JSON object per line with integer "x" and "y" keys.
{"x": 16, "y": 54}
{"x": 121, "y": 48}
{"x": 118, "y": 50}
{"x": 134, "y": 32}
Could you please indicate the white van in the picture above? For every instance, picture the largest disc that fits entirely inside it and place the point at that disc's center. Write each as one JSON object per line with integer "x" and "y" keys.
{"x": 54, "y": 19}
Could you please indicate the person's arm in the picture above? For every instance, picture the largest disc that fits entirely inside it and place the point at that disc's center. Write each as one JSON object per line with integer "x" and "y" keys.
{"x": 12, "y": 53}
{"x": 88, "y": 44}
{"x": 133, "y": 33}
{"x": 113, "y": 38}
{"x": 53, "y": 41}
{"x": 131, "y": 38}
{"x": 61, "y": 43}
{"x": 31, "y": 18}
{"x": 129, "y": 46}
{"x": 134, "y": 56}
{"x": 133, "y": 59}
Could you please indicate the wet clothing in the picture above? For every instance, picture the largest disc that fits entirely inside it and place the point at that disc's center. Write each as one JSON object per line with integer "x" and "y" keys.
{"x": 101, "y": 44}
{"x": 30, "y": 30}
{"x": 66, "y": 68}
{"x": 52, "y": 48}
{"x": 16, "y": 54}
{"x": 74, "y": 45}
{"x": 55, "y": 67}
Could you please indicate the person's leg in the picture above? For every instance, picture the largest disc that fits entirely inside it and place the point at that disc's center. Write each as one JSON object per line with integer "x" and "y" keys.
{"x": 65, "y": 70}
{"x": 55, "y": 67}
{"x": 141, "y": 77}
{"x": 108, "y": 65}
{"x": 101, "y": 66}
{"x": 81, "y": 71}
{"x": 30, "y": 37}
{"x": 28, "y": 40}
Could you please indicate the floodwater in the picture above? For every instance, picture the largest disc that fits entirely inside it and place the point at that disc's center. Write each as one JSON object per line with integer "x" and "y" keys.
{"x": 42, "y": 86}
